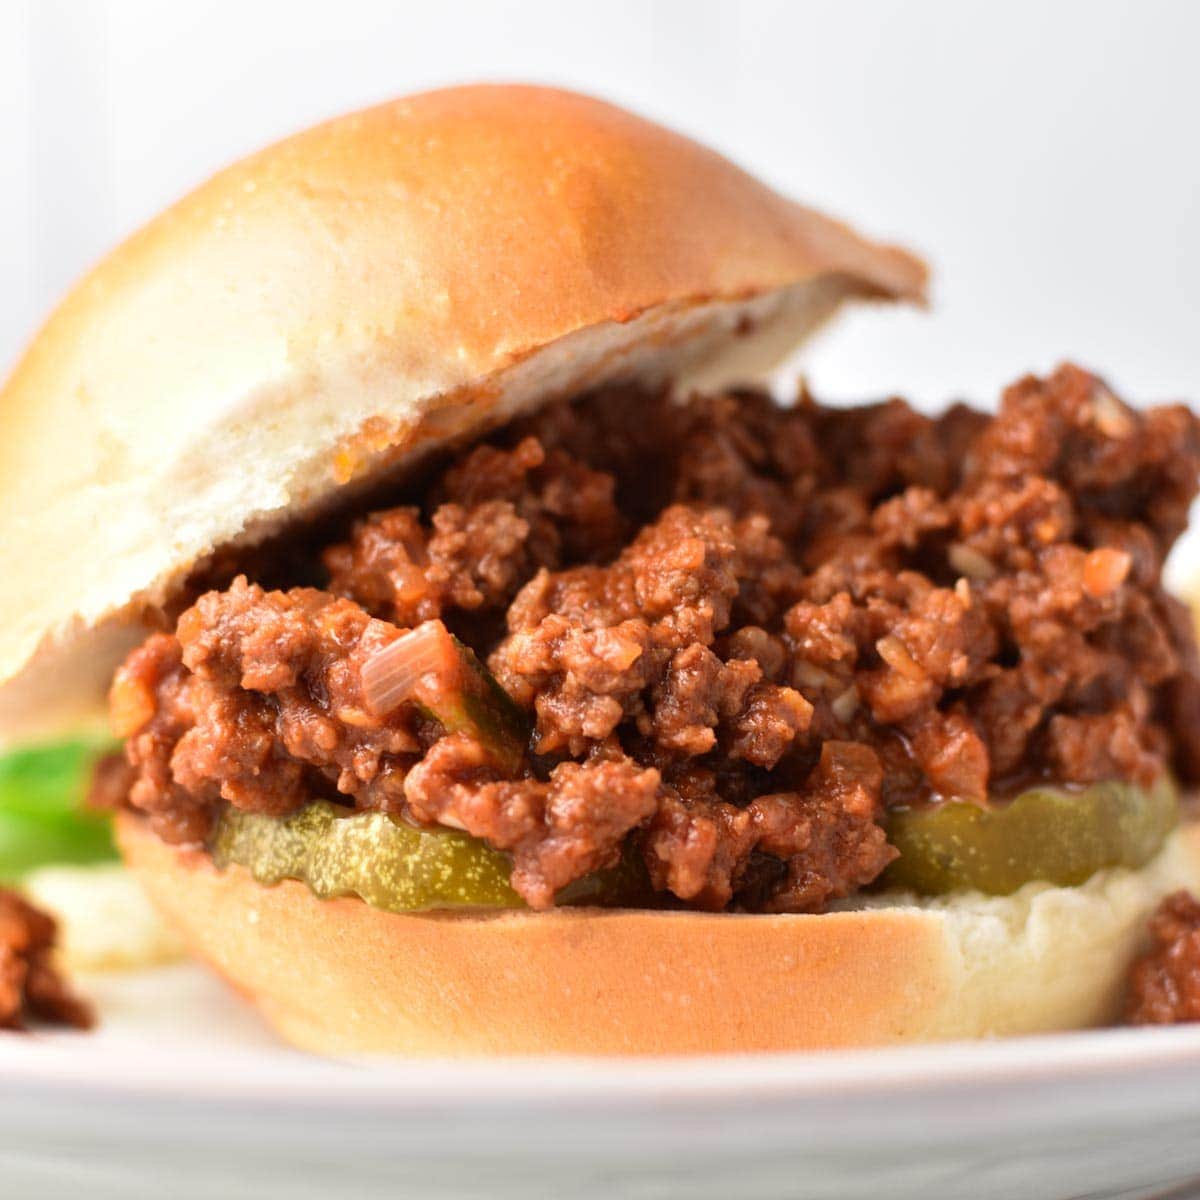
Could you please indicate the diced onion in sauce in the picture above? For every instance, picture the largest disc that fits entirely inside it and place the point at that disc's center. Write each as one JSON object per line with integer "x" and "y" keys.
{"x": 394, "y": 674}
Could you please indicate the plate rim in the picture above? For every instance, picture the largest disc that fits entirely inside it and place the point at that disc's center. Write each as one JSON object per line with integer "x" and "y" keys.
{"x": 61, "y": 1063}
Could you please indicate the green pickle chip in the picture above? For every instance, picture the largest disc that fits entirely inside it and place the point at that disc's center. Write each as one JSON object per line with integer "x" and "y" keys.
{"x": 480, "y": 707}
{"x": 1060, "y": 835}
{"x": 390, "y": 864}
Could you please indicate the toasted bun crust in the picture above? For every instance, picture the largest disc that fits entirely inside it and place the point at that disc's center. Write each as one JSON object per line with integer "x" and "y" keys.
{"x": 339, "y": 977}
{"x": 330, "y": 306}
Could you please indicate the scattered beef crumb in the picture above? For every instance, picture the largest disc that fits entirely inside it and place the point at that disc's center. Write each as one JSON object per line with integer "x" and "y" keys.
{"x": 112, "y": 777}
{"x": 31, "y": 989}
{"x": 1164, "y": 986}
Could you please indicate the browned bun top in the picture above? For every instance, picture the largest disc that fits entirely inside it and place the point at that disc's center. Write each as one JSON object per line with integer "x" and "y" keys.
{"x": 326, "y": 307}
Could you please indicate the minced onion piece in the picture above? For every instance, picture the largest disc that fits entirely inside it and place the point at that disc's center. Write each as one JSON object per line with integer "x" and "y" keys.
{"x": 968, "y": 561}
{"x": 432, "y": 670}
{"x": 895, "y": 653}
{"x": 845, "y": 704}
{"x": 395, "y": 674}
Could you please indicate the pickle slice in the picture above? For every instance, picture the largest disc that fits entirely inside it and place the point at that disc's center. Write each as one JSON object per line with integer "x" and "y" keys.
{"x": 389, "y": 864}
{"x": 392, "y": 865}
{"x": 479, "y": 706}
{"x": 1059, "y": 835}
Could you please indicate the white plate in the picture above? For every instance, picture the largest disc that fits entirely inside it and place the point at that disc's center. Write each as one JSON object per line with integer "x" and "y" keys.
{"x": 183, "y": 1093}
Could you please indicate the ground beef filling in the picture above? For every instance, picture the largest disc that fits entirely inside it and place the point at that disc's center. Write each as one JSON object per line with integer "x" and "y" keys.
{"x": 1164, "y": 986}
{"x": 741, "y": 633}
{"x": 31, "y": 989}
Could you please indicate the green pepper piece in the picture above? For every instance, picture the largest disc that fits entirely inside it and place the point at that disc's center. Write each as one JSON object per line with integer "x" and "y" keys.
{"x": 42, "y": 818}
{"x": 1059, "y": 835}
{"x": 388, "y": 863}
{"x": 442, "y": 677}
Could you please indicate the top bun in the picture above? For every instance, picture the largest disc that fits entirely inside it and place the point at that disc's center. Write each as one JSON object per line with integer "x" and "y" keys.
{"x": 335, "y": 304}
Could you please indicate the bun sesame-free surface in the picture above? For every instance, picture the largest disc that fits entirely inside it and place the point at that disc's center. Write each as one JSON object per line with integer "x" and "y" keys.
{"x": 333, "y": 305}
{"x": 340, "y": 977}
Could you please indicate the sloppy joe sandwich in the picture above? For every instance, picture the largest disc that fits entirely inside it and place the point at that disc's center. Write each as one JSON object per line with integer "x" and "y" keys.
{"x": 500, "y": 669}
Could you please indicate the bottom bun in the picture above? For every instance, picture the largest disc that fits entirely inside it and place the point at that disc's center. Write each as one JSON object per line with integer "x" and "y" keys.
{"x": 340, "y": 977}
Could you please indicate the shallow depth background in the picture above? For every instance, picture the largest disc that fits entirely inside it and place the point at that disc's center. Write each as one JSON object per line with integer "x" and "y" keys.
{"x": 1042, "y": 155}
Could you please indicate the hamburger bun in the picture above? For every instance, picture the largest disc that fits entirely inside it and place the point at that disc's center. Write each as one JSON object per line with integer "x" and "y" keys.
{"x": 304, "y": 327}
{"x": 339, "y": 977}
{"x": 329, "y": 308}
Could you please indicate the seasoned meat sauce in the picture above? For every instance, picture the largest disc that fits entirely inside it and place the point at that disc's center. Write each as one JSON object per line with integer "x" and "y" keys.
{"x": 30, "y": 986}
{"x": 741, "y": 633}
{"x": 1164, "y": 985}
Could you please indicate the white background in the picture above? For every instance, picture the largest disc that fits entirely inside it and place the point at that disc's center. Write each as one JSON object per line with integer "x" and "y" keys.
{"x": 1044, "y": 156}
